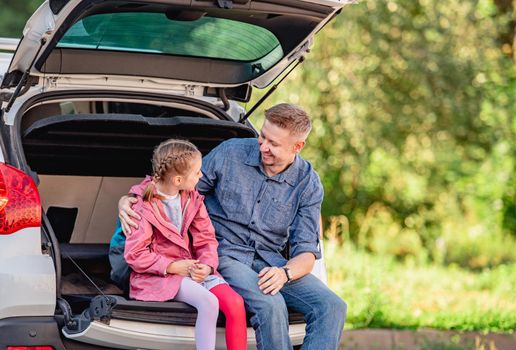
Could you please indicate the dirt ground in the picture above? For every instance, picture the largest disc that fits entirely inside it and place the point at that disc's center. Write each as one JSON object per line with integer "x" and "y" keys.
{"x": 425, "y": 339}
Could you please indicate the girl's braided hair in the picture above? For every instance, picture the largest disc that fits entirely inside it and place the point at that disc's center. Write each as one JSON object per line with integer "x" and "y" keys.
{"x": 171, "y": 157}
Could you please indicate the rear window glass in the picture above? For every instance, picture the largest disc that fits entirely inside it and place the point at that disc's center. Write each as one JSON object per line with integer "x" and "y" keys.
{"x": 206, "y": 37}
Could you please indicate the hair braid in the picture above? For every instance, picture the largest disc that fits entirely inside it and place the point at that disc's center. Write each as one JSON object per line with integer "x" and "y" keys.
{"x": 170, "y": 157}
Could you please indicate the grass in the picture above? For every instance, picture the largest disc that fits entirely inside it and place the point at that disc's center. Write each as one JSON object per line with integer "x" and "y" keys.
{"x": 384, "y": 293}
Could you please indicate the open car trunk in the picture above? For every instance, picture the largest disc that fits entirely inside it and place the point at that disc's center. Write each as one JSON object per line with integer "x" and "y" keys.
{"x": 85, "y": 162}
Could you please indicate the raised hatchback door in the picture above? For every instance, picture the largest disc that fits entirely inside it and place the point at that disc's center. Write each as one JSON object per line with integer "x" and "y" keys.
{"x": 215, "y": 43}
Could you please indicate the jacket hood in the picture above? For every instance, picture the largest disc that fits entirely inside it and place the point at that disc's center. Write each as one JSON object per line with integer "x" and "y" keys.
{"x": 139, "y": 189}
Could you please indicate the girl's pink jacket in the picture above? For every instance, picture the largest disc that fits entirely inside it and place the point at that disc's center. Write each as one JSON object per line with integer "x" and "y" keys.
{"x": 156, "y": 243}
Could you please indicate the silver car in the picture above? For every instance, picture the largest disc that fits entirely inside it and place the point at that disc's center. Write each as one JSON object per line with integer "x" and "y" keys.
{"x": 88, "y": 91}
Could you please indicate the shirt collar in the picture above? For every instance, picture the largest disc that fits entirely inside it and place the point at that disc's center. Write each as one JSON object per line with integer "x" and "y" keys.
{"x": 167, "y": 197}
{"x": 290, "y": 175}
{"x": 253, "y": 158}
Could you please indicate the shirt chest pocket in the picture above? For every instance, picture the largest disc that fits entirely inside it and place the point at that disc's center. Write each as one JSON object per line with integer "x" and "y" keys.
{"x": 237, "y": 201}
{"x": 278, "y": 216}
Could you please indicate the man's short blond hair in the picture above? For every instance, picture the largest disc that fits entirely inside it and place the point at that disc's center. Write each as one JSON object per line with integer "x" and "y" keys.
{"x": 290, "y": 117}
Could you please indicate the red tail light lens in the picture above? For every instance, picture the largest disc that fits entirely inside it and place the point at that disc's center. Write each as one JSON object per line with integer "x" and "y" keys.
{"x": 30, "y": 348}
{"x": 20, "y": 206}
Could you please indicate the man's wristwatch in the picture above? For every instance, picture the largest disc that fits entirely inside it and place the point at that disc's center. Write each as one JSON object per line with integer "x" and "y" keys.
{"x": 287, "y": 273}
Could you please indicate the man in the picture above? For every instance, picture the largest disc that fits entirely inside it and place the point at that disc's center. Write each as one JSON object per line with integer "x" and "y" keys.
{"x": 262, "y": 197}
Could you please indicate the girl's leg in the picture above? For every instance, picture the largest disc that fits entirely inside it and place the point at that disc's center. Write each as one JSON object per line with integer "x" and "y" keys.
{"x": 232, "y": 305}
{"x": 207, "y": 307}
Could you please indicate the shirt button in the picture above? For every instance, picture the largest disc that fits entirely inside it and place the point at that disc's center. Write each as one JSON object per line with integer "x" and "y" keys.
{"x": 252, "y": 222}
{"x": 258, "y": 201}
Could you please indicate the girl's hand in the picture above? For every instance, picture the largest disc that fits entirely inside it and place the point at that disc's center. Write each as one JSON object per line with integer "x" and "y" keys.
{"x": 199, "y": 272}
{"x": 181, "y": 267}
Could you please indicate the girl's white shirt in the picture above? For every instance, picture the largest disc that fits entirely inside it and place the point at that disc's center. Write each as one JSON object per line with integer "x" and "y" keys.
{"x": 173, "y": 209}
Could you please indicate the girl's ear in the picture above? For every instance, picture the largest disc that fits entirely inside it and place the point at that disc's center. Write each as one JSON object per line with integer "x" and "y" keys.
{"x": 177, "y": 180}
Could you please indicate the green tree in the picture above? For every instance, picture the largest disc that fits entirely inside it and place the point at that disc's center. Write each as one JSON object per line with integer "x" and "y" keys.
{"x": 413, "y": 105}
{"x": 14, "y": 14}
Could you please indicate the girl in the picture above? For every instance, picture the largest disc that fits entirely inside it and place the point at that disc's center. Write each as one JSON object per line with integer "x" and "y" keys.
{"x": 173, "y": 253}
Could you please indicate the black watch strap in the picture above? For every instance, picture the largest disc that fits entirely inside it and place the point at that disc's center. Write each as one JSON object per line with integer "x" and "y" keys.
{"x": 287, "y": 273}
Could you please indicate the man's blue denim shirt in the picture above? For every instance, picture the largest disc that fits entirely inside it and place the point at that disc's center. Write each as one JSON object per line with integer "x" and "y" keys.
{"x": 256, "y": 214}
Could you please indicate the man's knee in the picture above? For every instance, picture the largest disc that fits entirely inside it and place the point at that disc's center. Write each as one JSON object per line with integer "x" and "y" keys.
{"x": 334, "y": 305}
{"x": 342, "y": 307}
{"x": 272, "y": 307}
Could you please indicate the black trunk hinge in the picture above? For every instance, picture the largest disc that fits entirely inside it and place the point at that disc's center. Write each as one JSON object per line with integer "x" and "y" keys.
{"x": 99, "y": 310}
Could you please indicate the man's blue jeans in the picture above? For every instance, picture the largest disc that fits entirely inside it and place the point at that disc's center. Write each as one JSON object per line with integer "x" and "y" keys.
{"x": 324, "y": 311}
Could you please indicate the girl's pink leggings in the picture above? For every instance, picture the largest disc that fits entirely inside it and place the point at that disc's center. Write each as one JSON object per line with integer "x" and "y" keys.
{"x": 207, "y": 304}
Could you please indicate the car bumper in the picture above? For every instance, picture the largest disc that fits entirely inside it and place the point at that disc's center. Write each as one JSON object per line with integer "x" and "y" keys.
{"x": 124, "y": 334}
{"x": 30, "y": 331}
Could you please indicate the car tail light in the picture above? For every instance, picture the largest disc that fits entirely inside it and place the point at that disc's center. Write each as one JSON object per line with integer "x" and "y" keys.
{"x": 30, "y": 348}
{"x": 20, "y": 206}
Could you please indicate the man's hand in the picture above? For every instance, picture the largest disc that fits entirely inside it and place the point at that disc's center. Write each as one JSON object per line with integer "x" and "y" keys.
{"x": 199, "y": 272}
{"x": 125, "y": 213}
{"x": 181, "y": 267}
{"x": 272, "y": 279}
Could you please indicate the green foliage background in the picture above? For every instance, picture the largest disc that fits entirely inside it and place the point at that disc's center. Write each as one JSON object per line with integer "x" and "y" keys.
{"x": 414, "y": 105}
{"x": 14, "y": 14}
